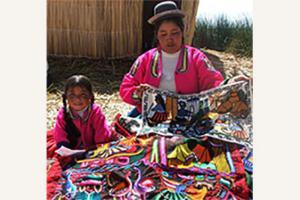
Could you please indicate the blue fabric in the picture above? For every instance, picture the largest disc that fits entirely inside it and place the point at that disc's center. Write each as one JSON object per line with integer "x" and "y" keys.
{"x": 134, "y": 113}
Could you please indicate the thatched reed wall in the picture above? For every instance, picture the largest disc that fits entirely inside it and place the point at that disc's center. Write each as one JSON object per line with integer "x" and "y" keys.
{"x": 101, "y": 28}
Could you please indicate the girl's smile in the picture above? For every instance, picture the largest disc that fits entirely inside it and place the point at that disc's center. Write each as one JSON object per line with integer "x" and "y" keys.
{"x": 78, "y": 98}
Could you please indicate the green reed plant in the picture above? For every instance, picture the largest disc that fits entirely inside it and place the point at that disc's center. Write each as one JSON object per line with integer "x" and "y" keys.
{"x": 223, "y": 34}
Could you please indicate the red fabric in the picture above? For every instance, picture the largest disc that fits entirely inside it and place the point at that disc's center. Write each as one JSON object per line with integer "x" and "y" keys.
{"x": 159, "y": 117}
{"x": 202, "y": 153}
{"x": 240, "y": 187}
{"x": 118, "y": 128}
{"x": 51, "y": 145}
{"x": 54, "y": 173}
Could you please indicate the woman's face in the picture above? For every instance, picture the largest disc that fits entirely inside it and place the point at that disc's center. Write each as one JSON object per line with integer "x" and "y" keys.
{"x": 78, "y": 98}
{"x": 169, "y": 36}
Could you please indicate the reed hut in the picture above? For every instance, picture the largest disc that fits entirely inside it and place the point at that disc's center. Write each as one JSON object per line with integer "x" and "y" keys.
{"x": 106, "y": 28}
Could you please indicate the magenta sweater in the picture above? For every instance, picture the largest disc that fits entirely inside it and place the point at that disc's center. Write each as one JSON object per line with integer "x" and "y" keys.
{"x": 194, "y": 73}
{"x": 93, "y": 128}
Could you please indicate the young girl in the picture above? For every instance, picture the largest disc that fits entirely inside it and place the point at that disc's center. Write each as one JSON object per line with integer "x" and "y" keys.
{"x": 80, "y": 123}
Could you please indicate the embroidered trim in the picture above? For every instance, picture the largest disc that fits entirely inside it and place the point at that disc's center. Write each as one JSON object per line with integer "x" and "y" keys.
{"x": 184, "y": 61}
{"x": 208, "y": 63}
{"x": 154, "y": 65}
{"x": 134, "y": 67}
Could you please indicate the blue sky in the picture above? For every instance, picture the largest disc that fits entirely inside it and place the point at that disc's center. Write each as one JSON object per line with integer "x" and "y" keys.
{"x": 234, "y": 9}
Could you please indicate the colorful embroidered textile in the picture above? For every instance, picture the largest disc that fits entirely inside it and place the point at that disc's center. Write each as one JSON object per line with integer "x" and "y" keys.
{"x": 126, "y": 126}
{"x": 223, "y": 113}
{"x": 248, "y": 162}
{"x": 165, "y": 155}
{"x": 153, "y": 167}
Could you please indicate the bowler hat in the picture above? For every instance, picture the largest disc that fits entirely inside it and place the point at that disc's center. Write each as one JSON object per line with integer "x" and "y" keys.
{"x": 165, "y": 9}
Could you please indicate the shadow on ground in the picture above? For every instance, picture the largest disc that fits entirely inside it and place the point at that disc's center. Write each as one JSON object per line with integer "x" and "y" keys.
{"x": 105, "y": 75}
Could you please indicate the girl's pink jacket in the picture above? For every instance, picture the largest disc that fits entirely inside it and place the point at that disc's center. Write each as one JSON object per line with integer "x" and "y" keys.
{"x": 194, "y": 73}
{"x": 94, "y": 130}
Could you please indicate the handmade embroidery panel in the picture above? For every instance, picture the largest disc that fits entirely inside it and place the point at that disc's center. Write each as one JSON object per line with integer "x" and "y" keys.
{"x": 222, "y": 113}
{"x": 154, "y": 167}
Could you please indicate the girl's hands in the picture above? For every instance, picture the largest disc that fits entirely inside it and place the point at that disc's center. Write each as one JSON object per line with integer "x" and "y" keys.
{"x": 65, "y": 152}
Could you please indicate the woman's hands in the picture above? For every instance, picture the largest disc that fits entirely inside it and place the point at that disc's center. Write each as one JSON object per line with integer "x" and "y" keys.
{"x": 140, "y": 90}
{"x": 239, "y": 78}
{"x": 65, "y": 152}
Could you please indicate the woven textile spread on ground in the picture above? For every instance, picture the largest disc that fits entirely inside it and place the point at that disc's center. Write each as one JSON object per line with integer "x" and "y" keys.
{"x": 156, "y": 167}
{"x": 148, "y": 162}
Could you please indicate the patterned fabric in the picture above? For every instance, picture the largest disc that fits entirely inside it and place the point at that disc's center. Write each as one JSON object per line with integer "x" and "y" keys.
{"x": 193, "y": 74}
{"x": 222, "y": 113}
{"x": 248, "y": 162}
{"x": 152, "y": 168}
{"x": 150, "y": 161}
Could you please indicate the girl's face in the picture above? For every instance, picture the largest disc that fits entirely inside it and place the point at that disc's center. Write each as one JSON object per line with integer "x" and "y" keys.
{"x": 169, "y": 36}
{"x": 78, "y": 98}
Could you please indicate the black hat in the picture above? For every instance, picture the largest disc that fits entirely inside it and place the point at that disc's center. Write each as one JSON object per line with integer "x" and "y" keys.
{"x": 163, "y": 10}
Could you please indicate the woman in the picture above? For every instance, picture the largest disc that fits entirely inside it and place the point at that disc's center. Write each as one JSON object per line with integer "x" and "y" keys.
{"x": 171, "y": 66}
